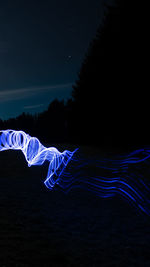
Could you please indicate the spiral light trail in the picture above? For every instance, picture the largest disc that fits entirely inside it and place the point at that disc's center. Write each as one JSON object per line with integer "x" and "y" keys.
{"x": 36, "y": 154}
{"x": 127, "y": 176}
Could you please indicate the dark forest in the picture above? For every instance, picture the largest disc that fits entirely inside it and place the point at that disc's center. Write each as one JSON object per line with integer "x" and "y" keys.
{"x": 110, "y": 101}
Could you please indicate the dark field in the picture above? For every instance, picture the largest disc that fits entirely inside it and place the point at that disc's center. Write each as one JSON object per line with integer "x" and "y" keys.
{"x": 39, "y": 227}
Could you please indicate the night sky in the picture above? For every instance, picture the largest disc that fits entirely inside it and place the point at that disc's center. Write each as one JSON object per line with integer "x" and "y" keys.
{"x": 42, "y": 45}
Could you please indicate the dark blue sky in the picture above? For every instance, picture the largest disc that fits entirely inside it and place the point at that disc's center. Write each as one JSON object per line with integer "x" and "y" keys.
{"x": 42, "y": 45}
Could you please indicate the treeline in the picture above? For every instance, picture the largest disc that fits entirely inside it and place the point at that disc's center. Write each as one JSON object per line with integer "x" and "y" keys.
{"x": 110, "y": 99}
{"x": 111, "y": 93}
{"x": 51, "y": 125}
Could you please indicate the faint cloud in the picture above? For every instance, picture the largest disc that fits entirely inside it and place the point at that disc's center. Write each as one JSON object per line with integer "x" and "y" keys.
{"x": 3, "y": 47}
{"x": 22, "y": 93}
{"x": 33, "y": 106}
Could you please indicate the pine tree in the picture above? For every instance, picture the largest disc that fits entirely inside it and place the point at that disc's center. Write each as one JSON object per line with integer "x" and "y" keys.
{"x": 106, "y": 94}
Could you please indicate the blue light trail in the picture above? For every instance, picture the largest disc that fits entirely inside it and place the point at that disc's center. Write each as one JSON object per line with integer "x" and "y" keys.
{"x": 36, "y": 154}
{"x": 127, "y": 176}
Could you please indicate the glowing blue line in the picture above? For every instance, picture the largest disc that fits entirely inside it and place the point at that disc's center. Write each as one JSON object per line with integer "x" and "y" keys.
{"x": 118, "y": 176}
{"x": 123, "y": 174}
{"x": 36, "y": 154}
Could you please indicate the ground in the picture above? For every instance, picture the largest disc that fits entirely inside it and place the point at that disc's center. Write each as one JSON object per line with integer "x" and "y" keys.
{"x": 39, "y": 227}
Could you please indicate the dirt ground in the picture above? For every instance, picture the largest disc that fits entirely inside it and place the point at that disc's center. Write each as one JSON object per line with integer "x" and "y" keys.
{"x": 39, "y": 227}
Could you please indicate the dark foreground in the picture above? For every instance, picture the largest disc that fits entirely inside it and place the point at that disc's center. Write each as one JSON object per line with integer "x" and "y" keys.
{"x": 39, "y": 227}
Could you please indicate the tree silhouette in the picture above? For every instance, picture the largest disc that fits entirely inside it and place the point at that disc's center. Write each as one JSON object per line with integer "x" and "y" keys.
{"x": 50, "y": 126}
{"x": 52, "y": 122}
{"x": 111, "y": 80}
{"x": 110, "y": 104}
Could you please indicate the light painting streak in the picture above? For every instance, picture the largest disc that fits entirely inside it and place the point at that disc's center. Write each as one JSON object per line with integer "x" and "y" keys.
{"x": 127, "y": 176}
{"x": 36, "y": 154}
